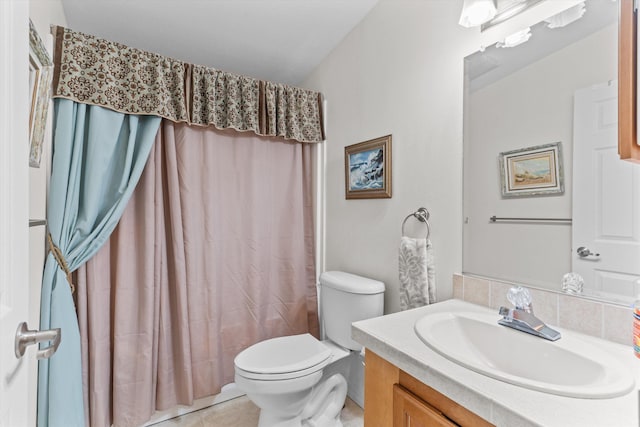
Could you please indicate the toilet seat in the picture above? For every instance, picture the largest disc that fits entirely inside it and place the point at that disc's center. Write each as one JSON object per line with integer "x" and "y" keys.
{"x": 283, "y": 358}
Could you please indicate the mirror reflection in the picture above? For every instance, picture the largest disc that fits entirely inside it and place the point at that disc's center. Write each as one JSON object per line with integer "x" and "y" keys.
{"x": 553, "y": 85}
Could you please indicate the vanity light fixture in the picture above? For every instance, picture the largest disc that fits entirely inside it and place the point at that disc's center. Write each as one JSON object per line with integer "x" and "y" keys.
{"x": 477, "y": 12}
{"x": 507, "y": 9}
{"x": 516, "y": 38}
{"x": 566, "y": 17}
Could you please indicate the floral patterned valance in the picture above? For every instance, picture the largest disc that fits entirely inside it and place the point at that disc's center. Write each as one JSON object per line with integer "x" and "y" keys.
{"x": 292, "y": 112}
{"x": 224, "y": 100}
{"x": 95, "y": 71}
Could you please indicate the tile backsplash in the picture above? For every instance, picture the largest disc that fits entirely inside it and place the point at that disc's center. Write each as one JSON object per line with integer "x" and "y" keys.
{"x": 599, "y": 319}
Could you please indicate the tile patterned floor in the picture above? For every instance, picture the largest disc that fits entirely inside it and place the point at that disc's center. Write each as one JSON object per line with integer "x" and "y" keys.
{"x": 241, "y": 412}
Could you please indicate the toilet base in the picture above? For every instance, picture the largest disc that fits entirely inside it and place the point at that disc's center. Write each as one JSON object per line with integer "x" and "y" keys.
{"x": 322, "y": 409}
{"x": 268, "y": 419}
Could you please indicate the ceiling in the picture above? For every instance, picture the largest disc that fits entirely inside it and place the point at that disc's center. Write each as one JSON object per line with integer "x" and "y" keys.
{"x": 488, "y": 66}
{"x": 276, "y": 40}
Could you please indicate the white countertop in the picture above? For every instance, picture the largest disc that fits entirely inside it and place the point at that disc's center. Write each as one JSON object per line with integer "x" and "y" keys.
{"x": 392, "y": 337}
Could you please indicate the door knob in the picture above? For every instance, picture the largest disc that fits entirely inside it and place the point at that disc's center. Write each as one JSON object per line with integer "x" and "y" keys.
{"x": 584, "y": 252}
{"x": 25, "y": 338}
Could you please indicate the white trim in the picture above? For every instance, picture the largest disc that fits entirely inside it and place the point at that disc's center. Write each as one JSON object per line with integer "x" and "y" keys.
{"x": 320, "y": 208}
{"x": 323, "y": 191}
{"x": 14, "y": 203}
{"x": 321, "y": 199}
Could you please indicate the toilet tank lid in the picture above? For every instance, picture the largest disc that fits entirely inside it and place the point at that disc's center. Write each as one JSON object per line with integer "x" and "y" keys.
{"x": 351, "y": 283}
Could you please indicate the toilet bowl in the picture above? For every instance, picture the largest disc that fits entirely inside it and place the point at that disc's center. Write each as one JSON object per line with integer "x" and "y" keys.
{"x": 299, "y": 381}
{"x": 282, "y": 376}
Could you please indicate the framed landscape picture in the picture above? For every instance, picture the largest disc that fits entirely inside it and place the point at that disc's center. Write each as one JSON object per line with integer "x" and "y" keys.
{"x": 368, "y": 169}
{"x": 532, "y": 171}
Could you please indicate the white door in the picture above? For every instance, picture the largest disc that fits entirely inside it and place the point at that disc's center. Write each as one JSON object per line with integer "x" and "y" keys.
{"x": 606, "y": 198}
{"x": 14, "y": 233}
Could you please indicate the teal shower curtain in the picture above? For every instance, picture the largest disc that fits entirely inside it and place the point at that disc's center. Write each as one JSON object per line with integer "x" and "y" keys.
{"x": 99, "y": 155}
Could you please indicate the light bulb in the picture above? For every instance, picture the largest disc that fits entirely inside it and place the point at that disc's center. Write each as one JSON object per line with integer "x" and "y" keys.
{"x": 477, "y": 12}
{"x": 516, "y": 38}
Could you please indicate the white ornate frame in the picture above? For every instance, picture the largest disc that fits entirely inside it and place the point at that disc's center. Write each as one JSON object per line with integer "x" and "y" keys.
{"x": 507, "y": 159}
{"x": 40, "y": 78}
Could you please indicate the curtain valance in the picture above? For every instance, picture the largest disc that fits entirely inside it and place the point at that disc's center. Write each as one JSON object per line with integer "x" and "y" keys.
{"x": 95, "y": 71}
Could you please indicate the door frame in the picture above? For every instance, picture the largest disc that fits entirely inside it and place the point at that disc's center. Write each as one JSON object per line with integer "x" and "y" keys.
{"x": 14, "y": 211}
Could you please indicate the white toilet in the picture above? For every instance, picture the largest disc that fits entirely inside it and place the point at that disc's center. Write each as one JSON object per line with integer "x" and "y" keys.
{"x": 296, "y": 380}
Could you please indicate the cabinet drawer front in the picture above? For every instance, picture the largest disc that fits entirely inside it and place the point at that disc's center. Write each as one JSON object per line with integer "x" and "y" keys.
{"x": 455, "y": 412}
{"x": 410, "y": 411}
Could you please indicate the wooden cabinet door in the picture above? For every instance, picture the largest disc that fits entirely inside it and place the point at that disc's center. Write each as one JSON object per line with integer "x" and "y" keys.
{"x": 627, "y": 82}
{"x": 410, "y": 411}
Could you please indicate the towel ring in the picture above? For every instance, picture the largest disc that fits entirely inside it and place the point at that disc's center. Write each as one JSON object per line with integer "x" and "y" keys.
{"x": 421, "y": 215}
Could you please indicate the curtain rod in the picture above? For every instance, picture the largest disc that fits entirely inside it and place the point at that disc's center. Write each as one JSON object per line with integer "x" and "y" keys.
{"x": 496, "y": 219}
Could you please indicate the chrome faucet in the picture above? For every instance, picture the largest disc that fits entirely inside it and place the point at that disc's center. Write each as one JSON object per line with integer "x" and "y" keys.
{"x": 526, "y": 322}
{"x": 522, "y": 317}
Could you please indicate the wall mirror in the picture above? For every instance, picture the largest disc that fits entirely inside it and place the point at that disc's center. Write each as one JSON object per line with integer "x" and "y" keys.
{"x": 559, "y": 86}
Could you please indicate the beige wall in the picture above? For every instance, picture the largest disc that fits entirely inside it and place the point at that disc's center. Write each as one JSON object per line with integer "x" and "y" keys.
{"x": 400, "y": 72}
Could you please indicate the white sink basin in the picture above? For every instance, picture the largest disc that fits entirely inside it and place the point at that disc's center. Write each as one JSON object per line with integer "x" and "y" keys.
{"x": 570, "y": 366}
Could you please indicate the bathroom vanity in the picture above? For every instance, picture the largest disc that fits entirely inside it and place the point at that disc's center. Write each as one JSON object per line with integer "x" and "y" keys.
{"x": 406, "y": 381}
{"x": 412, "y": 402}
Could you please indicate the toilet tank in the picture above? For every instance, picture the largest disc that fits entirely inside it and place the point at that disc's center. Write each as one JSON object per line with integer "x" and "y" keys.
{"x": 346, "y": 298}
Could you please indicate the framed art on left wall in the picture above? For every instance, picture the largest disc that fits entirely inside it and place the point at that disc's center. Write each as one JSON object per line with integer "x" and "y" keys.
{"x": 40, "y": 77}
{"x": 367, "y": 168}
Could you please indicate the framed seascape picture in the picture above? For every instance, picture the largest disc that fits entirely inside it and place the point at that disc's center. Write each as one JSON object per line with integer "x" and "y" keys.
{"x": 532, "y": 171}
{"x": 367, "y": 168}
{"x": 40, "y": 77}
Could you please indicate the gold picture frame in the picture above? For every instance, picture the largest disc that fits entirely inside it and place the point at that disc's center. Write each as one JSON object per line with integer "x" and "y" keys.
{"x": 532, "y": 171}
{"x": 40, "y": 78}
{"x": 367, "y": 168}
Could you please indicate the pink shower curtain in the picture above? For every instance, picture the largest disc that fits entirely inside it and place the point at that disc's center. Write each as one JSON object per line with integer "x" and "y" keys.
{"x": 214, "y": 252}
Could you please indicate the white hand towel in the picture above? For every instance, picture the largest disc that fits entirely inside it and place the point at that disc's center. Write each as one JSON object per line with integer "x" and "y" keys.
{"x": 417, "y": 273}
